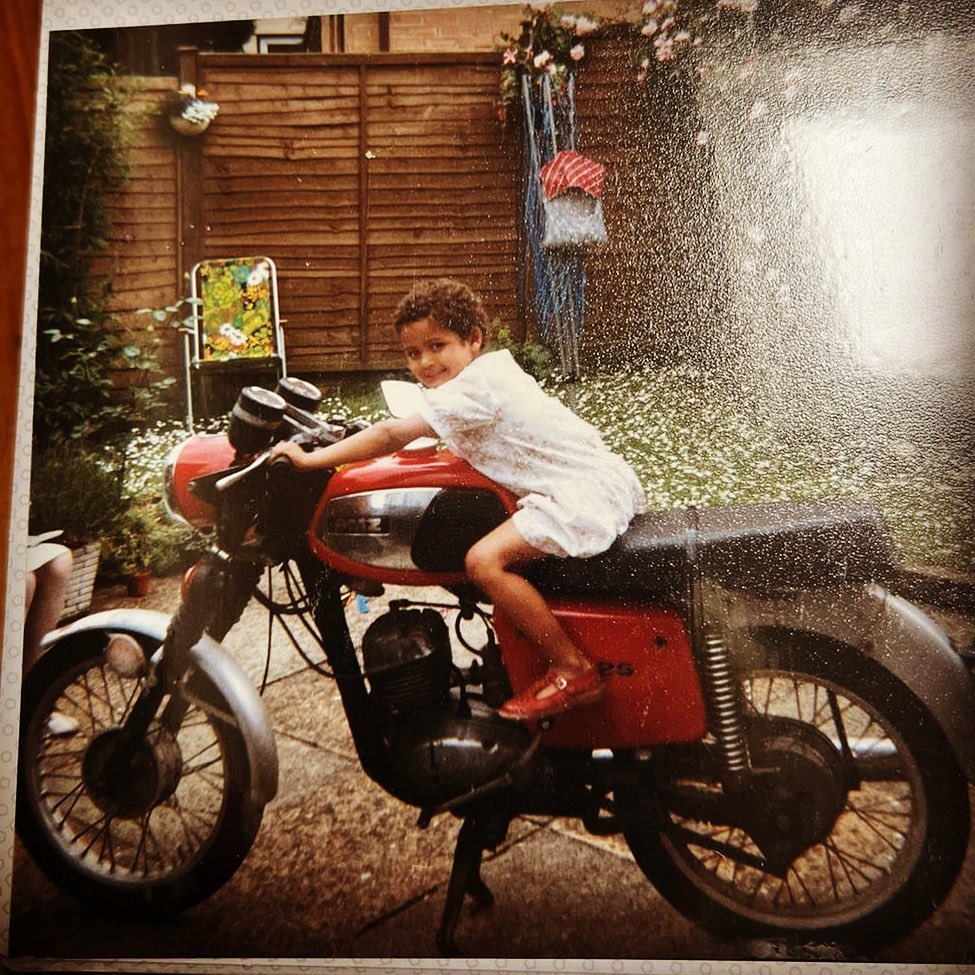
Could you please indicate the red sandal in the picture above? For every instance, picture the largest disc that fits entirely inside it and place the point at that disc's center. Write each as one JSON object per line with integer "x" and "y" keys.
{"x": 567, "y": 692}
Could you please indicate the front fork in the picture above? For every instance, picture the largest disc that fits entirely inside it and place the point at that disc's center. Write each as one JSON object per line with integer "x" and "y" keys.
{"x": 217, "y": 593}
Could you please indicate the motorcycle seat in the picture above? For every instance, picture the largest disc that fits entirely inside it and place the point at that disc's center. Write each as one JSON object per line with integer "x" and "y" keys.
{"x": 764, "y": 548}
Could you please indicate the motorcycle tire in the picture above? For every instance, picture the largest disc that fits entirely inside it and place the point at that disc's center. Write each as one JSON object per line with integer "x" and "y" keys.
{"x": 173, "y": 832}
{"x": 890, "y": 846}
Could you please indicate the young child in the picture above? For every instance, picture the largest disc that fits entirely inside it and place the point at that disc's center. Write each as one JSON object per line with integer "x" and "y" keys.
{"x": 575, "y": 496}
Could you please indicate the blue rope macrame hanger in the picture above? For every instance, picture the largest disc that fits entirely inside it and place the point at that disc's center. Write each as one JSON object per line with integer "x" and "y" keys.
{"x": 559, "y": 275}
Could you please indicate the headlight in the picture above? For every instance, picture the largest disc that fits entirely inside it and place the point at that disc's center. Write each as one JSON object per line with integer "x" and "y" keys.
{"x": 206, "y": 453}
{"x": 170, "y": 502}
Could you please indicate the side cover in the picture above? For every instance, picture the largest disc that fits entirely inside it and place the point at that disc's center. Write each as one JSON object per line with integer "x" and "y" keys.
{"x": 653, "y": 695}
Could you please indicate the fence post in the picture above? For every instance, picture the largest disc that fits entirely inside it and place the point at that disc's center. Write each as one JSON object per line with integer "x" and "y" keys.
{"x": 364, "y": 156}
{"x": 189, "y": 187}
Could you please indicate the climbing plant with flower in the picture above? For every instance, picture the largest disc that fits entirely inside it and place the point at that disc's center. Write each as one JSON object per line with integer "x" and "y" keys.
{"x": 668, "y": 29}
{"x": 549, "y": 44}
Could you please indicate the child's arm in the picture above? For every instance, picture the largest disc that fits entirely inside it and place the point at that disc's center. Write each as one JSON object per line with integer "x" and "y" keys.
{"x": 377, "y": 440}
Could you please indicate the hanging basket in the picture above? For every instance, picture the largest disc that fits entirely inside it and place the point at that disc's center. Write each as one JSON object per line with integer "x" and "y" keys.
{"x": 188, "y": 126}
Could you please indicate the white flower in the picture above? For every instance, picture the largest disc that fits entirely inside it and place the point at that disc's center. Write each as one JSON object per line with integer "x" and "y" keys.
{"x": 258, "y": 276}
{"x": 651, "y": 7}
{"x": 233, "y": 335}
{"x": 585, "y": 26}
{"x": 542, "y": 59}
{"x": 577, "y": 53}
{"x": 650, "y": 28}
{"x": 200, "y": 111}
{"x": 568, "y": 21}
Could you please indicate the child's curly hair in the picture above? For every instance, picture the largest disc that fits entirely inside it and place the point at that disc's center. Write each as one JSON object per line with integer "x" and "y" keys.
{"x": 449, "y": 302}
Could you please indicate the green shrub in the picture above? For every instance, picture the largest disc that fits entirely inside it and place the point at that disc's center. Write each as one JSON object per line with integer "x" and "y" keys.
{"x": 76, "y": 490}
{"x": 145, "y": 539}
{"x": 85, "y": 161}
{"x": 533, "y": 357}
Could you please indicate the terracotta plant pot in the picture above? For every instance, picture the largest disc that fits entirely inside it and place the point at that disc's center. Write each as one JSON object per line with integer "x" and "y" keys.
{"x": 138, "y": 583}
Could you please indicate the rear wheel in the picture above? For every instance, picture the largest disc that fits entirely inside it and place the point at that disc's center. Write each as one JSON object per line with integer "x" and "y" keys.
{"x": 163, "y": 835}
{"x": 854, "y": 831}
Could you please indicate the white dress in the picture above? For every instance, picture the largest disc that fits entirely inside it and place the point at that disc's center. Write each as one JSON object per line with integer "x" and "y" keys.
{"x": 575, "y": 495}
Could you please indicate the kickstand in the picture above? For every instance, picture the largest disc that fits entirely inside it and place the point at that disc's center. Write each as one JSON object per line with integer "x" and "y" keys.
{"x": 465, "y": 878}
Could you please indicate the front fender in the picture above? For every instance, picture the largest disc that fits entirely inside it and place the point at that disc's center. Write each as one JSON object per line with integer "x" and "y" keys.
{"x": 209, "y": 657}
{"x": 897, "y": 635}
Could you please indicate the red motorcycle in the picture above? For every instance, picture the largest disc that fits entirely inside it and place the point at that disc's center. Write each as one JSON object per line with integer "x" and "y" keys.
{"x": 784, "y": 744}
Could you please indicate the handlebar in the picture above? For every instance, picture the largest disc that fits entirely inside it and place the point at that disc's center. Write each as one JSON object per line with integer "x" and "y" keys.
{"x": 303, "y": 424}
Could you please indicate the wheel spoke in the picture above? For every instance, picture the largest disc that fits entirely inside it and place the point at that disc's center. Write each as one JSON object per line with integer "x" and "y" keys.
{"x": 872, "y": 842}
{"x": 145, "y": 844}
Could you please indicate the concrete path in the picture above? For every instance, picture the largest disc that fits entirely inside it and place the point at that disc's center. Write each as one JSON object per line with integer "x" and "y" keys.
{"x": 340, "y": 870}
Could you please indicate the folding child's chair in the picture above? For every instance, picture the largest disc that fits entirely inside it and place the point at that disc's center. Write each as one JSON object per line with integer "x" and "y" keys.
{"x": 238, "y": 327}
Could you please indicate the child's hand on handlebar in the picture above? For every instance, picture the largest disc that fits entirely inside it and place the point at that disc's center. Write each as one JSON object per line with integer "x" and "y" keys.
{"x": 290, "y": 451}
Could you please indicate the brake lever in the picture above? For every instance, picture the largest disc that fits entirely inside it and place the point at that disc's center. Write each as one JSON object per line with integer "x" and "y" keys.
{"x": 231, "y": 479}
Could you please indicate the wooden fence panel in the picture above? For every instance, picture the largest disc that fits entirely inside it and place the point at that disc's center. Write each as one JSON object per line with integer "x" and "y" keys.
{"x": 648, "y": 286}
{"x": 360, "y": 174}
{"x": 143, "y": 252}
{"x": 357, "y": 175}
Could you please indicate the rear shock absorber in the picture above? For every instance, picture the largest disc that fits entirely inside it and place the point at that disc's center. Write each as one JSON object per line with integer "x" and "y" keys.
{"x": 725, "y": 704}
{"x": 717, "y": 676}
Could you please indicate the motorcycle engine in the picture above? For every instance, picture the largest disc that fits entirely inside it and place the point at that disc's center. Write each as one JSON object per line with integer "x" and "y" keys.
{"x": 406, "y": 654}
{"x": 442, "y": 745}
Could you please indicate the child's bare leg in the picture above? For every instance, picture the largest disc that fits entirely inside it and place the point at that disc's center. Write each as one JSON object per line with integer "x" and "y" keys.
{"x": 489, "y": 564}
{"x": 45, "y": 601}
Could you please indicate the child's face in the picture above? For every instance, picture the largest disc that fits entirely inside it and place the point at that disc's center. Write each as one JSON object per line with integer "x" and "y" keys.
{"x": 434, "y": 353}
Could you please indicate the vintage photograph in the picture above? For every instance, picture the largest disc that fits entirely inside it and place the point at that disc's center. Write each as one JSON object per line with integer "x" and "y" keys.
{"x": 501, "y": 488}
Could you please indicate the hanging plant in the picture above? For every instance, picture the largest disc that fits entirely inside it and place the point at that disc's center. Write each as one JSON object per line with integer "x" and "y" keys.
{"x": 549, "y": 44}
{"x": 189, "y": 110}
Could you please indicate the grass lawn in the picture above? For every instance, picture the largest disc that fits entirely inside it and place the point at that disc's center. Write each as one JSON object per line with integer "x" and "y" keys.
{"x": 693, "y": 439}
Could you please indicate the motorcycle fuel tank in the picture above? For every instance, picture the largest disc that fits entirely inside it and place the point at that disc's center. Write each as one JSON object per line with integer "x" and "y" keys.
{"x": 653, "y": 694}
{"x": 407, "y": 519}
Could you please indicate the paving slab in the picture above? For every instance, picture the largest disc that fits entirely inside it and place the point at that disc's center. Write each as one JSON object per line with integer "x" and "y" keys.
{"x": 556, "y": 897}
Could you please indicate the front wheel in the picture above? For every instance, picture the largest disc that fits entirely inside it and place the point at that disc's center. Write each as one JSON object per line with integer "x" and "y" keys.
{"x": 855, "y": 829}
{"x": 164, "y": 835}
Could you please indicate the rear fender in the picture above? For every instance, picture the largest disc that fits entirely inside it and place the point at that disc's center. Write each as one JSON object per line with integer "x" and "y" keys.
{"x": 886, "y": 628}
{"x": 149, "y": 627}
